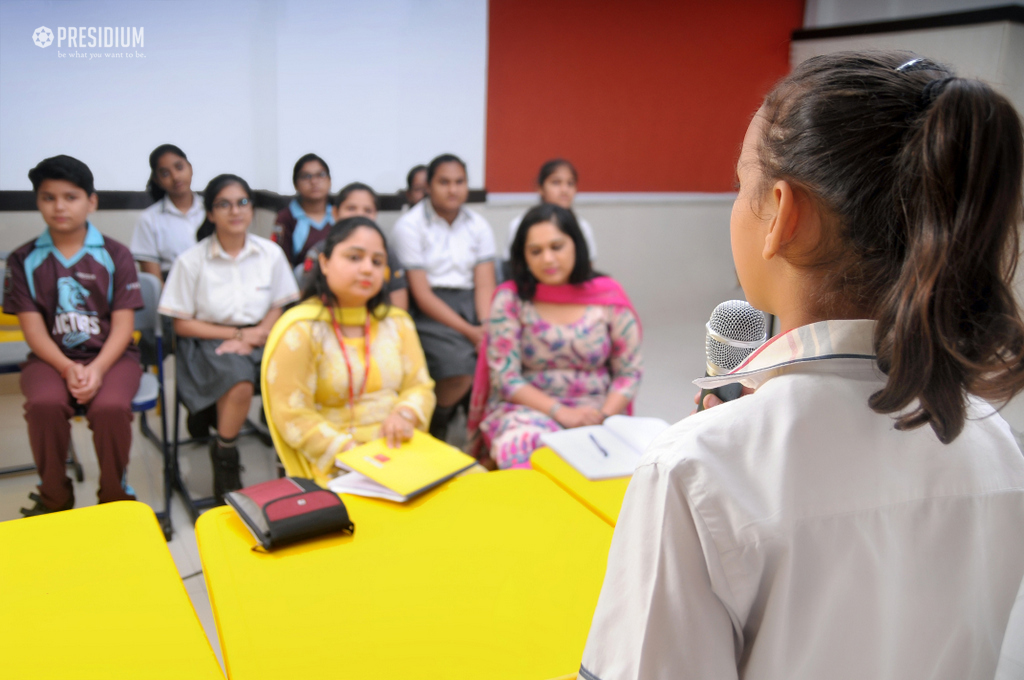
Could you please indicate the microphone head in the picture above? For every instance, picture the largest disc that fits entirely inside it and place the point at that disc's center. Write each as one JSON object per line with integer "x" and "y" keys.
{"x": 734, "y": 331}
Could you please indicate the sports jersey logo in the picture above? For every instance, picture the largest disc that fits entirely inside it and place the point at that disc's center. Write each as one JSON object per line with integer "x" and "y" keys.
{"x": 73, "y": 321}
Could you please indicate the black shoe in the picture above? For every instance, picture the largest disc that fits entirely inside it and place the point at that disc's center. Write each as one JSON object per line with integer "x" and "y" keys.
{"x": 40, "y": 509}
{"x": 200, "y": 423}
{"x": 226, "y": 470}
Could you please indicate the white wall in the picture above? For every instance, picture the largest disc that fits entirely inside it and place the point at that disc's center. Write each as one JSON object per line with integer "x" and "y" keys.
{"x": 247, "y": 87}
{"x": 821, "y": 13}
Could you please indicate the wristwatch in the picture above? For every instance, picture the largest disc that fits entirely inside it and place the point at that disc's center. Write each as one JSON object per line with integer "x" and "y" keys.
{"x": 554, "y": 409}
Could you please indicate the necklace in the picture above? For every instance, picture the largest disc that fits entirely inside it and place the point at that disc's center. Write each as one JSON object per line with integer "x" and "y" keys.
{"x": 352, "y": 394}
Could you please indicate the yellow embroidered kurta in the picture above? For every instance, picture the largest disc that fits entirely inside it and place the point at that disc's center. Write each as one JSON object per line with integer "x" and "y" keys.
{"x": 306, "y": 385}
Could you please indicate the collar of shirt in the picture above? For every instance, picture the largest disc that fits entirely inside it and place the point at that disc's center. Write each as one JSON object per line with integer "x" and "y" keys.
{"x": 812, "y": 348}
{"x": 303, "y": 224}
{"x": 93, "y": 240}
{"x": 215, "y": 251}
{"x": 434, "y": 218}
{"x": 93, "y": 245}
{"x": 167, "y": 206}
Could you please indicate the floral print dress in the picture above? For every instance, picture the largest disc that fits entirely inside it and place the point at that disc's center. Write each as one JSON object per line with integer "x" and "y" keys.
{"x": 577, "y": 363}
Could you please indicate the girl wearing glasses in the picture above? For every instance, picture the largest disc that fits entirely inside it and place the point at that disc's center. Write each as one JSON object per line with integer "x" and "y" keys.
{"x": 859, "y": 514}
{"x": 344, "y": 367}
{"x": 225, "y": 294}
{"x": 304, "y": 222}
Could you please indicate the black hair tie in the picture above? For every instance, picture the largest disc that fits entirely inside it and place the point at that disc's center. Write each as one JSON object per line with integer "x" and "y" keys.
{"x": 931, "y": 91}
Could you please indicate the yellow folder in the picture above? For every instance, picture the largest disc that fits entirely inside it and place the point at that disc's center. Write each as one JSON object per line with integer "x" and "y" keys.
{"x": 419, "y": 464}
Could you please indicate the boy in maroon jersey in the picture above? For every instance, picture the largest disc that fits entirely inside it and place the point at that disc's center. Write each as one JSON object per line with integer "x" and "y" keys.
{"x": 75, "y": 292}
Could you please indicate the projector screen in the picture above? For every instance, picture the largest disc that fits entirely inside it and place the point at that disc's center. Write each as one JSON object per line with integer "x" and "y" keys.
{"x": 243, "y": 87}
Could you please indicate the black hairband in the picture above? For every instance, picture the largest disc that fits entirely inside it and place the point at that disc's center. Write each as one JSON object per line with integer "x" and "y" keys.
{"x": 932, "y": 90}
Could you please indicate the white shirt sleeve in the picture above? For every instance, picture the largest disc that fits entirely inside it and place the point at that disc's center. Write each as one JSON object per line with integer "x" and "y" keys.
{"x": 407, "y": 242}
{"x": 513, "y": 227}
{"x": 485, "y": 250}
{"x": 178, "y": 298}
{"x": 1011, "y": 656}
{"x": 283, "y": 288}
{"x": 588, "y": 236}
{"x": 657, "y": 616}
{"x": 145, "y": 246}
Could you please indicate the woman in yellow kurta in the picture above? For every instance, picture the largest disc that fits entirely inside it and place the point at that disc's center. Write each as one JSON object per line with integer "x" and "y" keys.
{"x": 320, "y": 398}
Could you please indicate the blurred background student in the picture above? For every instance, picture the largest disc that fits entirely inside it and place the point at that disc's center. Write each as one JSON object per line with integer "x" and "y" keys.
{"x": 360, "y": 200}
{"x": 556, "y": 184}
{"x": 562, "y": 348}
{"x": 448, "y": 252}
{"x": 344, "y": 367}
{"x": 415, "y": 185}
{"x": 167, "y": 228}
{"x": 304, "y": 222}
{"x": 225, "y": 294}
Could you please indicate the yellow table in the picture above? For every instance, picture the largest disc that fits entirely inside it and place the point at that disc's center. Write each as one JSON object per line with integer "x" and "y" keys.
{"x": 492, "y": 575}
{"x": 93, "y": 593}
{"x": 603, "y": 497}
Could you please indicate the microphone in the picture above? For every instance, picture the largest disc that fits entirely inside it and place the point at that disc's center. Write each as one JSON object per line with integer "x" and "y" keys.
{"x": 735, "y": 329}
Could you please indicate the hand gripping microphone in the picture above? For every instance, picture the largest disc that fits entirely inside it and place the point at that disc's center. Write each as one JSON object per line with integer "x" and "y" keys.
{"x": 735, "y": 329}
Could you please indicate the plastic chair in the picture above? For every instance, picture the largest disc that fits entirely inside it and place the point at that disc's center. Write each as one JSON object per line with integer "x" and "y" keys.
{"x": 151, "y": 393}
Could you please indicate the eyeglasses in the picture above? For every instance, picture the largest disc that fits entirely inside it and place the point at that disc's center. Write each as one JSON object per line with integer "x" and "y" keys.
{"x": 305, "y": 177}
{"x": 228, "y": 205}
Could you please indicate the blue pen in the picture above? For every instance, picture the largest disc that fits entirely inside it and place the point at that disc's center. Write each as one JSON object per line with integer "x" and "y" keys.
{"x": 598, "y": 445}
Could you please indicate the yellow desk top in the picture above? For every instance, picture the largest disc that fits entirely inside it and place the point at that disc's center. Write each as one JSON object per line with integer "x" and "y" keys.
{"x": 491, "y": 575}
{"x": 603, "y": 497}
{"x": 93, "y": 593}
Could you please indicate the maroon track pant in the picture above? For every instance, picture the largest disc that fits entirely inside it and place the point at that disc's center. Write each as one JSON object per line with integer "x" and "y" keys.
{"x": 49, "y": 406}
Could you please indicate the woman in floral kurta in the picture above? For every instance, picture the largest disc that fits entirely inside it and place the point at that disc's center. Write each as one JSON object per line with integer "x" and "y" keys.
{"x": 579, "y": 364}
{"x": 306, "y": 380}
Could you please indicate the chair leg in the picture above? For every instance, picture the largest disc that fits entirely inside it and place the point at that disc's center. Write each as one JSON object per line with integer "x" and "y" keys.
{"x": 195, "y": 506}
{"x": 73, "y": 461}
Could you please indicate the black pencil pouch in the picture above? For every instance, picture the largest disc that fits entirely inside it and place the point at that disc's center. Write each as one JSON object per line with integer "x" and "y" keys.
{"x": 289, "y": 509}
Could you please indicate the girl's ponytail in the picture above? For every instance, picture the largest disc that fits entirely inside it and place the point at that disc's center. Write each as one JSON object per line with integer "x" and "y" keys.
{"x": 918, "y": 177}
{"x": 950, "y": 325}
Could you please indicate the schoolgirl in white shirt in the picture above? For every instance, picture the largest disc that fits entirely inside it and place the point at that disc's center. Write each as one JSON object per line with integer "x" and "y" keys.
{"x": 448, "y": 252}
{"x": 167, "y": 228}
{"x": 556, "y": 184}
{"x": 225, "y": 294}
{"x": 859, "y": 514}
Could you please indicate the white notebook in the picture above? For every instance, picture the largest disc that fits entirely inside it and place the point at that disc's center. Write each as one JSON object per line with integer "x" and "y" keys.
{"x": 605, "y": 451}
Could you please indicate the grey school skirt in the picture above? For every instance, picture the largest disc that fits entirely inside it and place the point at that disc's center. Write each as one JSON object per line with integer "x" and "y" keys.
{"x": 448, "y": 351}
{"x": 204, "y": 376}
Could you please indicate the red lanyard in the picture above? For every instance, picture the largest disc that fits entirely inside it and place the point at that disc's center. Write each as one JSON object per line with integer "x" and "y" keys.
{"x": 352, "y": 396}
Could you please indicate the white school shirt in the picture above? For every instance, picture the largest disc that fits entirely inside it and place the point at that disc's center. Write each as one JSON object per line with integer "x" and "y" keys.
{"x": 794, "y": 533}
{"x": 163, "y": 232}
{"x": 588, "y": 235}
{"x": 448, "y": 253}
{"x": 209, "y": 285}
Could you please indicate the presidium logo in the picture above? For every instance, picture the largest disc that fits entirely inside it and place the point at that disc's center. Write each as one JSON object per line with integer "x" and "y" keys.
{"x": 42, "y": 36}
{"x": 82, "y": 37}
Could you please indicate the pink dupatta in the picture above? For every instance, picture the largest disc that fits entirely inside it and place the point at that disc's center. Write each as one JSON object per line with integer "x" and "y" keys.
{"x": 601, "y": 290}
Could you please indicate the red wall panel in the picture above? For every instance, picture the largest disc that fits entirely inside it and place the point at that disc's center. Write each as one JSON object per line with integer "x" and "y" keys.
{"x": 641, "y": 96}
